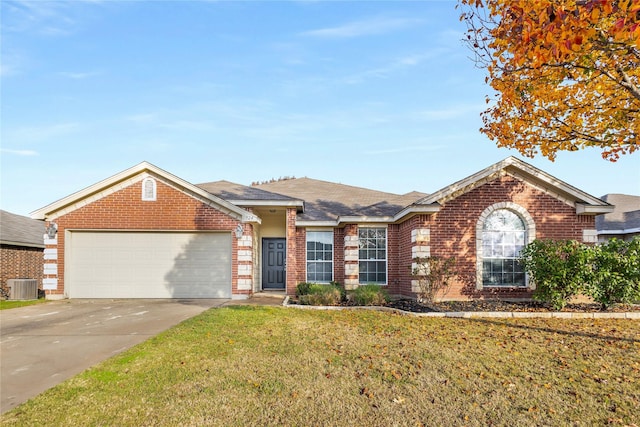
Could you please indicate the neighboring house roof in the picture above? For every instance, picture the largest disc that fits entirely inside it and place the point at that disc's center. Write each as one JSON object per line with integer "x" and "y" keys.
{"x": 18, "y": 230}
{"x": 585, "y": 204}
{"x": 130, "y": 176}
{"x": 625, "y": 218}
{"x": 330, "y": 202}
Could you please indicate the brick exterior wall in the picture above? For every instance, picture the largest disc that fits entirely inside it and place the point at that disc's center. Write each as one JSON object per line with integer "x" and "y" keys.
{"x": 452, "y": 234}
{"x": 298, "y": 274}
{"x": 401, "y": 283}
{"x": 125, "y": 210}
{"x": 453, "y": 231}
{"x": 20, "y": 262}
{"x": 296, "y": 256}
{"x": 338, "y": 255}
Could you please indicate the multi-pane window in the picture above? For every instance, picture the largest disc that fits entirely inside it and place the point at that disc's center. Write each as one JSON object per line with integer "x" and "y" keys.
{"x": 319, "y": 256}
{"x": 503, "y": 237}
{"x": 372, "y": 255}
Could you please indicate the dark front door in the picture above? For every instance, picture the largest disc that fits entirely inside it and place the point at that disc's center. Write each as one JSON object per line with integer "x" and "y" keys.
{"x": 273, "y": 263}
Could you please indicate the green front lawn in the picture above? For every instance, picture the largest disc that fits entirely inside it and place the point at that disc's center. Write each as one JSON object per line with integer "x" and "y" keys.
{"x": 7, "y": 304}
{"x": 243, "y": 366}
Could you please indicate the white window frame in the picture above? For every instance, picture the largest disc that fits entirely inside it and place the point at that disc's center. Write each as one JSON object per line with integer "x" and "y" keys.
{"x": 323, "y": 261}
{"x": 149, "y": 194}
{"x": 385, "y": 260}
{"x": 530, "y": 236}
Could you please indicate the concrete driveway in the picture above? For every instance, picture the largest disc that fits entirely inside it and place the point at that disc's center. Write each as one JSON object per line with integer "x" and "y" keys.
{"x": 45, "y": 344}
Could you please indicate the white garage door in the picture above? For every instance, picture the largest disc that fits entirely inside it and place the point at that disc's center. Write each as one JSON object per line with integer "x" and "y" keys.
{"x": 148, "y": 265}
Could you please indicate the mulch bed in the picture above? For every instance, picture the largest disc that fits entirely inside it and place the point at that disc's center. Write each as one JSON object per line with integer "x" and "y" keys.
{"x": 413, "y": 306}
{"x": 505, "y": 306}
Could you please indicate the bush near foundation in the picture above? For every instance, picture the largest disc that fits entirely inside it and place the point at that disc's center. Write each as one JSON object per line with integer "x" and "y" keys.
{"x": 614, "y": 275}
{"x": 560, "y": 269}
{"x": 370, "y": 295}
{"x": 320, "y": 294}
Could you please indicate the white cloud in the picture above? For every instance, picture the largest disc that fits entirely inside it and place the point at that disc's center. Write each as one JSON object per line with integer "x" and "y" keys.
{"x": 406, "y": 149}
{"x": 77, "y": 75}
{"x": 143, "y": 118}
{"x": 395, "y": 65}
{"x": 367, "y": 27}
{"x": 19, "y": 152}
{"x": 39, "y": 133}
{"x": 449, "y": 113}
{"x": 47, "y": 18}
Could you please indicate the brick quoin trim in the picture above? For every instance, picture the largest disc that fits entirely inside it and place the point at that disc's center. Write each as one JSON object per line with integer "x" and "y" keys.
{"x": 453, "y": 232}
{"x": 20, "y": 262}
{"x": 401, "y": 285}
{"x": 125, "y": 210}
{"x": 338, "y": 255}
{"x": 296, "y": 256}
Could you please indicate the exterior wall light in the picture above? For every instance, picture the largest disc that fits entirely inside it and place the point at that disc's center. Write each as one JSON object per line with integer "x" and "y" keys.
{"x": 239, "y": 230}
{"x": 52, "y": 230}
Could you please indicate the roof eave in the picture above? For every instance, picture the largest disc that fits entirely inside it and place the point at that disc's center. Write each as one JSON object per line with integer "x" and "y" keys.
{"x": 387, "y": 219}
{"x": 414, "y": 210}
{"x": 308, "y": 223}
{"x": 584, "y": 209}
{"x": 620, "y": 232}
{"x": 23, "y": 244}
{"x": 343, "y": 220}
{"x": 299, "y": 204}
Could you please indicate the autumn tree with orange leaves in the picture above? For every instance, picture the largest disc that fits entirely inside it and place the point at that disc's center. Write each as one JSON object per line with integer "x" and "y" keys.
{"x": 566, "y": 73}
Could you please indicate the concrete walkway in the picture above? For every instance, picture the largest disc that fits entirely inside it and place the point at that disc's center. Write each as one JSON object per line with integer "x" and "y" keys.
{"x": 260, "y": 298}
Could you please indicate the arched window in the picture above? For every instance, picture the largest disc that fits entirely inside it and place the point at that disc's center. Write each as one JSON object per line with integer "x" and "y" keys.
{"x": 503, "y": 230}
{"x": 148, "y": 189}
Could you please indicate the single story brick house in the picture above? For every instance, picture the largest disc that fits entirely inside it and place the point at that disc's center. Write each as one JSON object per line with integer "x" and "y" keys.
{"x": 21, "y": 248}
{"x": 145, "y": 233}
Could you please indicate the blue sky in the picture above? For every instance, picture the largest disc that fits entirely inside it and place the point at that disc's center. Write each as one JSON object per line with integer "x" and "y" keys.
{"x": 374, "y": 94}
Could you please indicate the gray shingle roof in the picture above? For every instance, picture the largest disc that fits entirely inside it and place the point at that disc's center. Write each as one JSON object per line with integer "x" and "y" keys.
{"x": 232, "y": 191}
{"x": 20, "y": 230}
{"x": 328, "y": 200}
{"x": 626, "y": 215}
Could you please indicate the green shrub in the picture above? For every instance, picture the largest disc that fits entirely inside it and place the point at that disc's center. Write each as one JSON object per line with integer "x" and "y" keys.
{"x": 608, "y": 272}
{"x": 614, "y": 272}
{"x": 370, "y": 295}
{"x": 341, "y": 288}
{"x": 319, "y": 294}
{"x": 557, "y": 267}
{"x": 303, "y": 288}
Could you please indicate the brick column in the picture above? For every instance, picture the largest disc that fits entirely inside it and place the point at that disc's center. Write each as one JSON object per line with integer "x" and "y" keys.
{"x": 293, "y": 266}
{"x": 50, "y": 280}
{"x": 420, "y": 248}
{"x": 351, "y": 248}
{"x": 245, "y": 260}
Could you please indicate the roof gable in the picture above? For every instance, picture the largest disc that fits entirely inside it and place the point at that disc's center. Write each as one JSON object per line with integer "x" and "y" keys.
{"x": 583, "y": 203}
{"x": 132, "y": 175}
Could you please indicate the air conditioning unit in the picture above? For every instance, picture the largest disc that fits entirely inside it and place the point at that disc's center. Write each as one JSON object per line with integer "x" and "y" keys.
{"x": 22, "y": 289}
